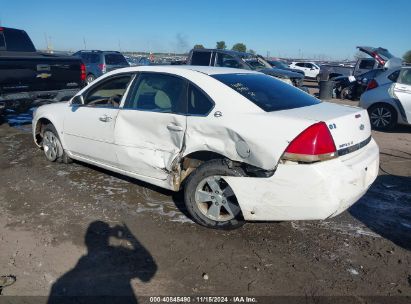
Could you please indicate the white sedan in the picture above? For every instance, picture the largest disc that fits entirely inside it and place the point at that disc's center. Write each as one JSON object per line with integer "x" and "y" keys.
{"x": 243, "y": 145}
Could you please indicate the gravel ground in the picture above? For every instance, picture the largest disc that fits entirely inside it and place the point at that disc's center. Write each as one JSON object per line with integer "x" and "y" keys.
{"x": 77, "y": 229}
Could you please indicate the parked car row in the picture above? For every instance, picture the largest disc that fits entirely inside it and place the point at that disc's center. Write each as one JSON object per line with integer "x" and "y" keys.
{"x": 246, "y": 61}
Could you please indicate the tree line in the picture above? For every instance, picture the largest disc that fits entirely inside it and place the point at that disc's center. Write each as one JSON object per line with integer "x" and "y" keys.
{"x": 221, "y": 45}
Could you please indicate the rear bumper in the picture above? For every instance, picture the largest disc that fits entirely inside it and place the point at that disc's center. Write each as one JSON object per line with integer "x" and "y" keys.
{"x": 308, "y": 192}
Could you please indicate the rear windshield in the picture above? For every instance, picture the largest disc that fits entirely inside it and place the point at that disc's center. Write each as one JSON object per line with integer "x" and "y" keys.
{"x": 385, "y": 53}
{"x": 115, "y": 59}
{"x": 18, "y": 41}
{"x": 268, "y": 93}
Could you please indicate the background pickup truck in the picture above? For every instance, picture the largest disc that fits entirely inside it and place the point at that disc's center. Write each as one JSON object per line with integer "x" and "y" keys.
{"x": 27, "y": 75}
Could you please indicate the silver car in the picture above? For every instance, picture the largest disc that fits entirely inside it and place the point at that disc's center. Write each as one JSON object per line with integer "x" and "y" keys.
{"x": 385, "y": 109}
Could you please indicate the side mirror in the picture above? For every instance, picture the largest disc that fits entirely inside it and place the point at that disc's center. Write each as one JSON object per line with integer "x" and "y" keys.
{"x": 77, "y": 101}
{"x": 364, "y": 80}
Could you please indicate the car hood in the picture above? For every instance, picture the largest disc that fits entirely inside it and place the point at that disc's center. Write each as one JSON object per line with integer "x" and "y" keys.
{"x": 281, "y": 73}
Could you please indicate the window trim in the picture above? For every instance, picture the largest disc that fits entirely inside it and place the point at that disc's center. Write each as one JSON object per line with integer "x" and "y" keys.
{"x": 204, "y": 93}
{"x": 187, "y": 84}
{"x": 136, "y": 82}
{"x": 85, "y": 94}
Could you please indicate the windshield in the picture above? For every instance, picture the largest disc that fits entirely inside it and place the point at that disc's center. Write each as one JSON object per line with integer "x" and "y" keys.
{"x": 256, "y": 62}
{"x": 279, "y": 64}
{"x": 267, "y": 92}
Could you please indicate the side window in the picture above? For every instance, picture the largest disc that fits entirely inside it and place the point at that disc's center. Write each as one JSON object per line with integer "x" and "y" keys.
{"x": 394, "y": 76}
{"x": 405, "y": 77}
{"x": 366, "y": 64}
{"x": 224, "y": 60}
{"x": 201, "y": 58}
{"x": 308, "y": 65}
{"x": 300, "y": 64}
{"x": 158, "y": 93}
{"x": 109, "y": 93}
{"x": 198, "y": 102}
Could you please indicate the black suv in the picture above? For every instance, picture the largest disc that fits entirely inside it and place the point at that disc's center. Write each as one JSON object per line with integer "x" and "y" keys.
{"x": 99, "y": 62}
{"x": 240, "y": 60}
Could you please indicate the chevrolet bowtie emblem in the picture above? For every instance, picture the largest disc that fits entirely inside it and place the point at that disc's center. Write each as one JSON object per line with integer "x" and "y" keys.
{"x": 43, "y": 75}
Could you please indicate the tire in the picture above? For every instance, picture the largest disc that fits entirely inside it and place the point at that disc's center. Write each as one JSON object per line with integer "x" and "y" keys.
{"x": 209, "y": 199}
{"x": 90, "y": 78}
{"x": 383, "y": 117}
{"x": 52, "y": 147}
{"x": 345, "y": 93}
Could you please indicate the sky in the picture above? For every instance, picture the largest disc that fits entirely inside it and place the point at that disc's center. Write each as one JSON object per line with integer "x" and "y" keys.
{"x": 282, "y": 28}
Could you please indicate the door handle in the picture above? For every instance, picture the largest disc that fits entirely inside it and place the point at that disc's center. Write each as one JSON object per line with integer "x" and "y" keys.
{"x": 105, "y": 118}
{"x": 173, "y": 127}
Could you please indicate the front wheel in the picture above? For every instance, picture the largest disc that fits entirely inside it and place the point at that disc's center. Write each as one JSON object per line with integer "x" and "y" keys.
{"x": 209, "y": 199}
{"x": 383, "y": 117}
{"x": 52, "y": 147}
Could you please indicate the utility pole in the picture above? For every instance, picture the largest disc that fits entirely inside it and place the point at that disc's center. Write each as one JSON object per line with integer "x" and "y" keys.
{"x": 85, "y": 43}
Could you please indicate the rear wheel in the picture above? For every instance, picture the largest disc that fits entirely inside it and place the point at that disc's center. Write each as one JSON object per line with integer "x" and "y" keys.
{"x": 383, "y": 116}
{"x": 346, "y": 93}
{"x": 209, "y": 199}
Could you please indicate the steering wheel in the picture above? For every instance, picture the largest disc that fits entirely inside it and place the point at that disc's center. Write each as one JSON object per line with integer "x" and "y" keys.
{"x": 115, "y": 100}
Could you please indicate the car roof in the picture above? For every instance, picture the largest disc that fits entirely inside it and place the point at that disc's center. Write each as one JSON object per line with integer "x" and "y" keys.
{"x": 208, "y": 70}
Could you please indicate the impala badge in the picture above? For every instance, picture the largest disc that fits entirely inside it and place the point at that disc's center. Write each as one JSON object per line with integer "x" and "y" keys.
{"x": 362, "y": 127}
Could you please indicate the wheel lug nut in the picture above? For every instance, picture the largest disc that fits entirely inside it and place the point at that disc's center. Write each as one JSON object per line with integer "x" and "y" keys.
{"x": 224, "y": 202}
{"x": 212, "y": 197}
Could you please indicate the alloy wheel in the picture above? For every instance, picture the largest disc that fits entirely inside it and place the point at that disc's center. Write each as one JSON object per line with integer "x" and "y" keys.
{"x": 216, "y": 200}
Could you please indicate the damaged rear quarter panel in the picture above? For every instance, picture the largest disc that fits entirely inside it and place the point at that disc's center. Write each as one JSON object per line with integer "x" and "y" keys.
{"x": 266, "y": 136}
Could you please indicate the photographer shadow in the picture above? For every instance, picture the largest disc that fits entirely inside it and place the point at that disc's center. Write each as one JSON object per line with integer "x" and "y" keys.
{"x": 104, "y": 274}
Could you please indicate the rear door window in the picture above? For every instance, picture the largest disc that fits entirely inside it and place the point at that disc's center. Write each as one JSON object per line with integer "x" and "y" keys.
{"x": 158, "y": 93}
{"x": 201, "y": 58}
{"x": 266, "y": 92}
{"x": 115, "y": 59}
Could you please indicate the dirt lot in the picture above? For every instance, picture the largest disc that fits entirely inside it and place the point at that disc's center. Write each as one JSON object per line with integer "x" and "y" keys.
{"x": 58, "y": 234}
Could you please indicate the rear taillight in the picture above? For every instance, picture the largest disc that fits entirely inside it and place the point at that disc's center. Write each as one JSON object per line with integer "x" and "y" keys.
{"x": 82, "y": 72}
{"x": 378, "y": 58}
{"x": 1, "y": 29}
{"x": 372, "y": 85}
{"x": 313, "y": 144}
{"x": 102, "y": 67}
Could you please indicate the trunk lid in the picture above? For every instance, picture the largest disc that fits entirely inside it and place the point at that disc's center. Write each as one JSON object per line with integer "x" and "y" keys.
{"x": 349, "y": 126}
{"x": 382, "y": 56}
